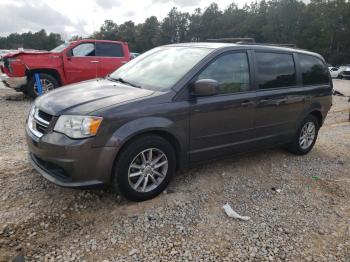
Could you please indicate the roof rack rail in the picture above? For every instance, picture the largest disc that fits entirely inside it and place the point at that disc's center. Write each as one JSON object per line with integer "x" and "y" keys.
{"x": 269, "y": 44}
{"x": 233, "y": 40}
{"x": 247, "y": 41}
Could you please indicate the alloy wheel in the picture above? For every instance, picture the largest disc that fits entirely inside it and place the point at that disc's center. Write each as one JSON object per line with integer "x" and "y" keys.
{"x": 46, "y": 85}
{"x": 307, "y": 135}
{"x": 148, "y": 170}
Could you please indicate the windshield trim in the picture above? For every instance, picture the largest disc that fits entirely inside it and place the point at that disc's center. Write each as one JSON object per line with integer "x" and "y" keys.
{"x": 65, "y": 45}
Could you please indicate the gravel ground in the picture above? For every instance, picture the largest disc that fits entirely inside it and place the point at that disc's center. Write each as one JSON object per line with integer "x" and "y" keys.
{"x": 299, "y": 206}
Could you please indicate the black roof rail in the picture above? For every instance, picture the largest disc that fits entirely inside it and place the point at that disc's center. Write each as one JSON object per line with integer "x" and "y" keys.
{"x": 233, "y": 40}
{"x": 269, "y": 44}
{"x": 247, "y": 41}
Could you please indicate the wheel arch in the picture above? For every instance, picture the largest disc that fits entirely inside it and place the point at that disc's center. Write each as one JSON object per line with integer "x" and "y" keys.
{"x": 51, "y": 72}
{"x": 318, "y": 115}
{"x": 158, "y": 132}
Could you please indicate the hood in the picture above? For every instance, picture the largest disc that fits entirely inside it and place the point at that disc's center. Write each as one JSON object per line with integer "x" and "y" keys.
{"x": 17, "y": 53}
{"x": 88, "y": 96}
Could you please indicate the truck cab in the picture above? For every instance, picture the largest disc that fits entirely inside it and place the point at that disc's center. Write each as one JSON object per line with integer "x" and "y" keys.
{"x": 66, "y": 64}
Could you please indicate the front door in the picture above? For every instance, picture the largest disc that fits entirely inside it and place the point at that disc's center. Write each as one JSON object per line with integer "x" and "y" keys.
{"x": 81, "y": 63}
{"x": 223, "y": 123}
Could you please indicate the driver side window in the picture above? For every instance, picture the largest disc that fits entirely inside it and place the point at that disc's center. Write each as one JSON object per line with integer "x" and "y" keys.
{"x": 231, "y": 71}
{"x": 85, "y": 49}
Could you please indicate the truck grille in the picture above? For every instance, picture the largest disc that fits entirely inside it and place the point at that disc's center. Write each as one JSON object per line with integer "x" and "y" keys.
{"x": 44, "y": 116}
{"x": 347, "y": 73}
{"x": 38, "y": 122}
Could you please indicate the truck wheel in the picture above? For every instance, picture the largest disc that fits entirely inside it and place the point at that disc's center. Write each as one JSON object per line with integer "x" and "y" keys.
{"x": 48, "y": 83}
{"x": 144, "y": 168}
{"x": 306, "y": 137}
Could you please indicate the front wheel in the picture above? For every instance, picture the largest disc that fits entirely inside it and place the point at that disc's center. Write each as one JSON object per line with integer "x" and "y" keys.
{"x": 306, "y": 136}
{"x": 48, "y": 83}
{"x": 144, "y": 168}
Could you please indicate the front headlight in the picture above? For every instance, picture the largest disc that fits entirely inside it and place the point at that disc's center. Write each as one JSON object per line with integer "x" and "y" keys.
{"x": 78, "y": 126}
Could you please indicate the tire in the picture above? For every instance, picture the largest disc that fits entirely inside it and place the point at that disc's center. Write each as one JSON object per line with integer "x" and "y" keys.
{"x": 296, "y": 146}
{"x": 126, "y": 175}
{"x": 46, "y": 79}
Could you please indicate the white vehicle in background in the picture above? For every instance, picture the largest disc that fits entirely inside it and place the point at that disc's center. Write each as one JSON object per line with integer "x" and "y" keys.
{"x": 334, "y": 71}
{"x": 340, "y": 72}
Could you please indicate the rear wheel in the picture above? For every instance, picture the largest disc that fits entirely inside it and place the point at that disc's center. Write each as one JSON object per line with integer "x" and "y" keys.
{"x": 144, "y": 168}
{"x": 47, "y": 81}
{"x": 306, "y": 136}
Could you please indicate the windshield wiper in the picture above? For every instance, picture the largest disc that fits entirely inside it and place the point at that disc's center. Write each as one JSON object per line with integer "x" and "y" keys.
{"x": 121, "y": 80}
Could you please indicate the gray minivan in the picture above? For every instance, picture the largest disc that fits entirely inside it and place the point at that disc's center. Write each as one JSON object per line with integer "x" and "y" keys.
{"x": 174, "y": 106}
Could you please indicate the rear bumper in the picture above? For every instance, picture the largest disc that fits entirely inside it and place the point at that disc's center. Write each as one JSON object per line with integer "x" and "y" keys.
{"x": 13, "y": 82}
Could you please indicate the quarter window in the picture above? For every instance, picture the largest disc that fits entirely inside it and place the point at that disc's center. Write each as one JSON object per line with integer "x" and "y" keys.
{"x": 86, "y": 49}
{"x": 275, "y": 70}
{"x": 313, "y": 70}
{"x": 231, "y": 71}
{"x": 109, "y": 50}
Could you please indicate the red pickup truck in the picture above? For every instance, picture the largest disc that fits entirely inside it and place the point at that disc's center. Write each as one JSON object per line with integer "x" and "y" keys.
{"x": 68, "y": 63}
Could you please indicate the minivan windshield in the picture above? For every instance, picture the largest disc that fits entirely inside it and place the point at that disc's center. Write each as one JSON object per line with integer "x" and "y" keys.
{"x": 60, "y": 48}
{"x": 160, "y": 68}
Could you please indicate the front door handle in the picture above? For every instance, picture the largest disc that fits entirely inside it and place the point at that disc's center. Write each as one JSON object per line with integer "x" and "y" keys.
{"x": 94, "y": 61}
{"x": 247, "y": 103}
{"x": 281, "y": 101}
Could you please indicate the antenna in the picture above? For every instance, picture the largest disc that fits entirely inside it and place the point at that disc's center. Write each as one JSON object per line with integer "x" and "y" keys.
{"x": 94, "y": 28}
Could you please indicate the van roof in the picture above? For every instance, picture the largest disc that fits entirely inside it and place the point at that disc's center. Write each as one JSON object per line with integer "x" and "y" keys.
{"x": 254, "y": 46}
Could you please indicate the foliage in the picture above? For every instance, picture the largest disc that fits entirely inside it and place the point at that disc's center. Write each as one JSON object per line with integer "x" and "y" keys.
{"x": 39, "y": 40}
{"x": 322, "y": 26}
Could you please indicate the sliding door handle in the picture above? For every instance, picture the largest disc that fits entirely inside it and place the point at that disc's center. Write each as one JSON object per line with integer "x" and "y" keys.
{"x": 265, "y": 100}
{"x": 247, "y": 103}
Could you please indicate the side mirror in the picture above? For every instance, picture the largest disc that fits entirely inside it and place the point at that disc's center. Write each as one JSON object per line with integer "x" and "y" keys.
{"x": 69, "y": 53}
{"x": 205, "y": 87}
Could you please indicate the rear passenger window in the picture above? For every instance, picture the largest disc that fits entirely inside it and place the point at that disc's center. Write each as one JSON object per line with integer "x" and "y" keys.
{"x": 231, "y": 71}
{"x": 314, "y": 71}
{"x": 109, "y": 50}
{"x": 275, "y": 70}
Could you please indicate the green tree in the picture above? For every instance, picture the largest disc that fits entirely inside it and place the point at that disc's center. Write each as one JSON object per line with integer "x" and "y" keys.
{"x": 108, "y": 31}
{"x": 127, "y": 33}
{"x": 148, "y": 34}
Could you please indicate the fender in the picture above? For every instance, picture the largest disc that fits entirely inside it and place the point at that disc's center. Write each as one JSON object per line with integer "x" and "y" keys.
{"x": 160, "y": 125}
{"x": 57, "y": 73}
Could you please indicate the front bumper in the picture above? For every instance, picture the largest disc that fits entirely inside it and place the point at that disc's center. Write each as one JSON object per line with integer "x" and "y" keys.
{"x": 346, "y": 74}
{"x": 13, "y": 82}
{"x": 70, "y": 163}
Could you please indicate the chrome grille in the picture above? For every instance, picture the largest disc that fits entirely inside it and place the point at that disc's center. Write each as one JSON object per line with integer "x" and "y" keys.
{"x": 38, "y": 122}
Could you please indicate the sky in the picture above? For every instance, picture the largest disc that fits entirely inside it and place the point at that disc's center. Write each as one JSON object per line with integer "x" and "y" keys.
{"x": 82, "y": 17}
